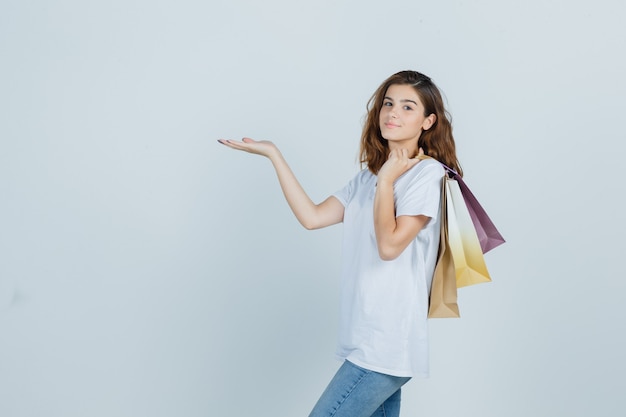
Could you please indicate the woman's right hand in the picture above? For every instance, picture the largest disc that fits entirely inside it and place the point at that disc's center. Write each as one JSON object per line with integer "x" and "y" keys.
{"x": 260, "y": 147}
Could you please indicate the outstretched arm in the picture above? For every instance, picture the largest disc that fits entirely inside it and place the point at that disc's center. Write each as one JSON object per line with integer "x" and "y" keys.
{"x": 309, "y": 214}
{"x": 393, "y": 234}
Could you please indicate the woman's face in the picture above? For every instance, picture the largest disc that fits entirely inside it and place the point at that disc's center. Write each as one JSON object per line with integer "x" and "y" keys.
{"x": 402, "y": 116}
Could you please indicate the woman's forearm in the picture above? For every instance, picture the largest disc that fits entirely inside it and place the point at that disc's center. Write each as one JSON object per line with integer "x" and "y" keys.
{"x": 299, "y": 202}
{"x": 385, "y": 220}
{"x": 393, "y": 234}
{"x": 309, "y": 214}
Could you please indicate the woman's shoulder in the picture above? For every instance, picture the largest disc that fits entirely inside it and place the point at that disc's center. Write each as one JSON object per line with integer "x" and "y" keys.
{"x": 361, "y": 179}
{"x": 428, "y": 167}
{"x": 364, "y": 175}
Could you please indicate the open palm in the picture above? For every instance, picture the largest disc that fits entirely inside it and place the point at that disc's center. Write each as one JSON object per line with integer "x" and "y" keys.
{"x": 260, "y": 147}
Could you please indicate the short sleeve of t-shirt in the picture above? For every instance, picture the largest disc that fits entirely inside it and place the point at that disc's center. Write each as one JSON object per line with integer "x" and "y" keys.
{"x": 418, "y": 191}
{"x": 343, "y": 195}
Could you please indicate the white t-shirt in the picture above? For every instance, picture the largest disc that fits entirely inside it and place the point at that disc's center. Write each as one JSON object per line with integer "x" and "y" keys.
{"x": 384, "y": 304}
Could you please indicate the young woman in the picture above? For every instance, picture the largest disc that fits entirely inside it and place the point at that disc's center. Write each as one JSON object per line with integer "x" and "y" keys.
{"x": 391, "y": 216}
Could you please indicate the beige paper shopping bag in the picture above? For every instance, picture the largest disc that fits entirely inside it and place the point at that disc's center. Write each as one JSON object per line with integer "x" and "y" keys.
{"x": 443, "y": 294}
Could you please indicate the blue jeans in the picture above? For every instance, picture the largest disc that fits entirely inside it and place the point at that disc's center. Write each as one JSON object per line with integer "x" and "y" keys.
{"x": 358, "y": 392}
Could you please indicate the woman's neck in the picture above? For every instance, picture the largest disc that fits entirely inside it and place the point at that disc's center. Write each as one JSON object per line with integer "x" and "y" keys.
{"x": 410, "y": 146}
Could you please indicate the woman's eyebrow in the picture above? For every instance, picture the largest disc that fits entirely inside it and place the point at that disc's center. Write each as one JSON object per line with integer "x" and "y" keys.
{"x": 402, "y": 101}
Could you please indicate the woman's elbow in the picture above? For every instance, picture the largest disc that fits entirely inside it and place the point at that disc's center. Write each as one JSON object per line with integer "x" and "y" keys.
{"x": 310, "y": 224}
{"x": 388, "y": 253}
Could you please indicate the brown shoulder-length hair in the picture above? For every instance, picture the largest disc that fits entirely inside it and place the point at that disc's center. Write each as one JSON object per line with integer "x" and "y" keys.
{"x": 437, "y": 141}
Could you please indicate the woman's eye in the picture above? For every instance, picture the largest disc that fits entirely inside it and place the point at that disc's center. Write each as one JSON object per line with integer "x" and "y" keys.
{"x": 387, "y": 103}
{"x": 408, "y": 108}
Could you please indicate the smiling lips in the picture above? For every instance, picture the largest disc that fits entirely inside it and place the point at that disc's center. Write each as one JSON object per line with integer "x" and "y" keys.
{"x": 390, "y": 125}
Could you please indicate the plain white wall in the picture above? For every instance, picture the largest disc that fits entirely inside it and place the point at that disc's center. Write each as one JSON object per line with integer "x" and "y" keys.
{"x": 147, "y": 270}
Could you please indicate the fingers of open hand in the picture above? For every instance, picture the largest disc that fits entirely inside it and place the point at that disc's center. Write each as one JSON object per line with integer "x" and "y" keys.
{"x": 239, "y": 144}
{"x": 263, "y": 147}
{"x": 233, "y": 144}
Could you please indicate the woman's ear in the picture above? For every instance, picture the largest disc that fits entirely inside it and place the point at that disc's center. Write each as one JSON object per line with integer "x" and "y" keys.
{"x": 429, "y": 121}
